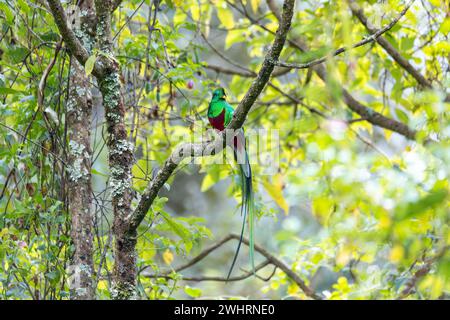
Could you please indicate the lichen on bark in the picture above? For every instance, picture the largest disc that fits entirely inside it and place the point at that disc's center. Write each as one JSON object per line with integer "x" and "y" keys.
{"x": 120, "y": 162}
{"x": 79, "y": 113}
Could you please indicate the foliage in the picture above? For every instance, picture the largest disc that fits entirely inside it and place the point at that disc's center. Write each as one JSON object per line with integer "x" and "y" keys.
{"x": 379, "y": 202}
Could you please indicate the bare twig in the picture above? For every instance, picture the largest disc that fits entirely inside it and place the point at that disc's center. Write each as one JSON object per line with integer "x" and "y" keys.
{"x": 270, "y": 259}
{"x": 404, "y": 63}
{"x": 369, "y": 39}
{"x": 421, "y": 272}
{"x": 356, "y": 106}
{"x": 43, "y": 81}
{"x": 243, "y": 276}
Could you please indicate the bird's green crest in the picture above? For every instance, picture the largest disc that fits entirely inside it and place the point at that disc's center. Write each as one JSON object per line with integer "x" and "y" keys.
{"x": 219, "y": 94}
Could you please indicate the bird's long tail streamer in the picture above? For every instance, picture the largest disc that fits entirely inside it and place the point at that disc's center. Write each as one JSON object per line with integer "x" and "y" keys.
{"x": 247, "y": 208}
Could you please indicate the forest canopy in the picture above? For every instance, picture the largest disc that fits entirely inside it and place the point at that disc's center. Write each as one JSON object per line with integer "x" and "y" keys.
{"x": 109, "y": 188}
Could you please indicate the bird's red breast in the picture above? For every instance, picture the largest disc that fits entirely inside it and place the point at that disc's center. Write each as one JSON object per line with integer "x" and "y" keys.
{"x": 219, "y": 121}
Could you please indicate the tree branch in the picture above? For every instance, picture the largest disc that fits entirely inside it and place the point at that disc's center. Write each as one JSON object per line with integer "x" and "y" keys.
{"x": 377, "y": 118}
{"x": 267, "y": 67}
{"x": 359, "y": 13}
{"x": 421, "y": 272}
{"x": 232, "y": 72}
{"x": 73, "y": 43}
{"x": 181, "y": 152}
{"x": 245, "y": 73}
{"x": 270, "y": 259}
{"x": 43, "y": 81}
{"x": 204, "y": 253}
{"x": 373, "y": 37}
{"x": 239, "y": 117}
{"x": 365, "y": 112}
{"x": 69, "y": 37}
{"x": 243, "y": 276}
{"x": 284, "y": 267}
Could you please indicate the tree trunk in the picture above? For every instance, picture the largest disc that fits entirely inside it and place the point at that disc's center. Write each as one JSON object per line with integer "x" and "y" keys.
{"x": 79, "y": 112}
{"x": 120, "y": 159}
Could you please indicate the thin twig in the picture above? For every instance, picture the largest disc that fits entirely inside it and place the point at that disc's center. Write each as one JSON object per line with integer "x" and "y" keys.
{"x": 369, "y": 39}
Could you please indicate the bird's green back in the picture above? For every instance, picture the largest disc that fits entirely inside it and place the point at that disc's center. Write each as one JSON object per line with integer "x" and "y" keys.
{"x": 218, "y": 104}
{"x": 216, "y": 108}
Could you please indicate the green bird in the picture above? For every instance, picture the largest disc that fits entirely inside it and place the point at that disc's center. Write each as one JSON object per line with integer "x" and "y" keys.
{"x": 220, "y": 113}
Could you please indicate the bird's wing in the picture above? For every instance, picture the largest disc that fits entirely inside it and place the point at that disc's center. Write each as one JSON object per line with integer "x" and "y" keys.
{"x": 228, "y": 113}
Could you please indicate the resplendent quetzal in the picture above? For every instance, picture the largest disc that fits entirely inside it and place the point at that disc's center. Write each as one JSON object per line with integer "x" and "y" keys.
{"x": 220, "y": 113}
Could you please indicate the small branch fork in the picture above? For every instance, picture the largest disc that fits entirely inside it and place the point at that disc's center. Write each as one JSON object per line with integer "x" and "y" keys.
{"x": 270, "y": 259}
{"x": 358, "y": 12}
{"x": 371, "y": 38}
{"x": 353, "y": 104}
{"x": 422, "y": 272}
{"x": 423, "y": 82}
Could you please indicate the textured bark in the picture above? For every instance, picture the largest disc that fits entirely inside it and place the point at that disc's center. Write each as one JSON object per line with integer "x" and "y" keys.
{"x": 76, "y": 48}
{"x": 106, "y": 70}
{"x": 120, "y": 160}
{"x": 79, "y": 112}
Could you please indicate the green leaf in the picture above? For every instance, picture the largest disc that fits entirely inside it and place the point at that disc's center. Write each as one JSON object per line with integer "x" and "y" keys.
{"x": 275, "y": 190}
{"x": 226, "y": 17}
{"x": 431, "y": 200}
{"x": 402, "y": 115}
{"x": 4, "y": 90}
{"x": 255, "y": 5}
{"x": 23, "y": 6}
{"x": 16, "y": 54}
{"x": 445, "y": 26}
{"x": 178, "y": 228}
{"x": 185, "y": 108}
{"x": 233, "y": 36}
{"x": 207, "y": 183}
{"x": 7, "y": 12}
{"x": 53, "y": 276}
{"x": 193, "y": 292}
{"x": 435, "y": 3}
{"x": 406, "y": 43}
{"x": 89, "y": 65}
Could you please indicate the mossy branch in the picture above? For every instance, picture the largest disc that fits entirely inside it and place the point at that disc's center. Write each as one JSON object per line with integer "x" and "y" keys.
{"x": 74, "y": 45}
